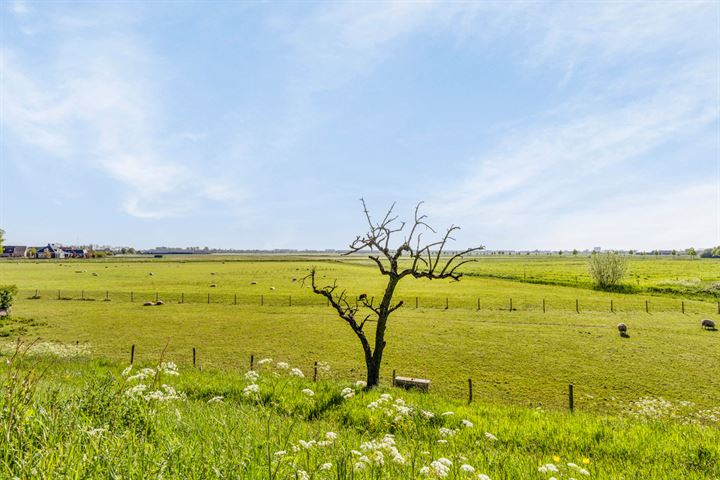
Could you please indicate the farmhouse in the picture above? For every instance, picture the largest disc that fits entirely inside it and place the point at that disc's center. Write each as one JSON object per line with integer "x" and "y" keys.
{"x": 75, "y": 252}
{"x": 14, "y": 251}
{"x": 52, "y": 250}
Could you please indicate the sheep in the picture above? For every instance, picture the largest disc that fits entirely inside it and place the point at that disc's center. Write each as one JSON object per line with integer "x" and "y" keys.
{"x": 622, "y": 328}
{"x": 707, "y": 324}
{"x": 159, "y": 302}
{"x": 151, "y": 274}
{"x": 95, "y": 274}
{"x": 148, "y": 304}
{"x": 213, "y": 285}
{"x": 253, "y": 283}
{"x": 272, "y": 288}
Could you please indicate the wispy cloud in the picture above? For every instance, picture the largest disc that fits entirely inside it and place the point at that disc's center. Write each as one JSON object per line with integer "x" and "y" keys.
{"x": 96, "y": 104}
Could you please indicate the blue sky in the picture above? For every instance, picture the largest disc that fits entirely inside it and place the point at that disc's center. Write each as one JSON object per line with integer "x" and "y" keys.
{"x": 259, "y": 125}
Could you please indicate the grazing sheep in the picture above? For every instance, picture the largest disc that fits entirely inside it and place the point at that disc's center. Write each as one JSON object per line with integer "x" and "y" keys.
{"x": 622, "y": 328}
{"x": 212, "y": 285}
{"x": 253, "y": 283}
{"x": 148, "y": 304}
{"x": 95, "y": 274}
{"x": 272, "y": 288}
{"x": 151, "y": 274}
{"x": 708, "y": 324}
{"x": 212, "y": 273}
{"x": 159, "y": 302}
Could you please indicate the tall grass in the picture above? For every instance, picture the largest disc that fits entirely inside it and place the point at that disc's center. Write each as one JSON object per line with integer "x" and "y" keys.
{"x": 79, "y": 418}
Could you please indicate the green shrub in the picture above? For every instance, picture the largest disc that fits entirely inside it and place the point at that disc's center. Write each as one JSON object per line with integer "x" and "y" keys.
{"x": 7, "y": 295}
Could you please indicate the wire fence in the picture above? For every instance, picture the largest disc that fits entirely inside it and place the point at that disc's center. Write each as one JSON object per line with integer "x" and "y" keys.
{"x": 521, "y": 303}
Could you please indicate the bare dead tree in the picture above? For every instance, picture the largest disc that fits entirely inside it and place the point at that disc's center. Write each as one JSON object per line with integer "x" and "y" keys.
{"x": 411, "y": 258}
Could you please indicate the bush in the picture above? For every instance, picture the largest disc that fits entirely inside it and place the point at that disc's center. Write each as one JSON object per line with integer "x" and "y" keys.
{"x": 607, "y": 270}
{"x": 7, "y": 295}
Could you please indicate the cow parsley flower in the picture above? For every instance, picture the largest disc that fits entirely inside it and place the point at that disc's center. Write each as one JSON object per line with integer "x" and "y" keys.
{"x": 308, "y": 392}
{"x": 467, "y": 468}
{"x": 467, "y": 424}
{"x": 296, "y": 372}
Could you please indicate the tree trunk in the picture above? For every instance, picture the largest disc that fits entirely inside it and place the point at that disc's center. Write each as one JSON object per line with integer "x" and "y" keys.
{"x": 373, "y": 365}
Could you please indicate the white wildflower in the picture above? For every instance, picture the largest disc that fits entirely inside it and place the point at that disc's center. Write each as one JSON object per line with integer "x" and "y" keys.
{"x": 296, "y": 372}
{"x": 347, "y": 393}
{"x": 217, "y": 399}
{"x": 282, "y": 365}
{"x": 302, "y": 475}
{"x": 264, "y": 361}
{"x": 308, "y": 392}
{"x": 482, "y": 476}
{"x": 252, "y": 375}
{"x": 467, "y": 468}
{"x": 467, "y": 423}
{"x": 360, "y": 384}
{"x": 326, "y": 466}
{"x": 447, "y": 414}
{"x": 490, "y": 436}
{"x": 331, "y": 435}
{"x": 251, "y": 389}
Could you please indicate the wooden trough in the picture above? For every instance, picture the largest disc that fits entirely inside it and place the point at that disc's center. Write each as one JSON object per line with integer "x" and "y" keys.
{"x": 408, "y": 383}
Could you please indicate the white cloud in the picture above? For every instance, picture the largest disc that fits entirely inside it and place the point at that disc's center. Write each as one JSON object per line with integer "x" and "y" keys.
{"x": 95, "y": 104}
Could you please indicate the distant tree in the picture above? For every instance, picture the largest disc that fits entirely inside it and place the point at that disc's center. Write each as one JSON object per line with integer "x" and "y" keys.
{"x": 575, "y": 251}
{"x": 560, "y": 252}
{"x": 132, "y": 251}
{"x": 632, "y": 252}
{"x": 32, "y": 252}
{"x": 2, "y": 238}
{"x": 656, "y": 252}
{"x": 607, "y": 270}
{"x": 423, "y": 261}
{"x": 691, "y": 251}
{"x": 716, "y": 251}
{"x": 674, "y": 252}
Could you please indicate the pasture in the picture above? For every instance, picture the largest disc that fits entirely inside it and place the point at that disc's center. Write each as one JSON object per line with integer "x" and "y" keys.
{"x": 525, "y": 356}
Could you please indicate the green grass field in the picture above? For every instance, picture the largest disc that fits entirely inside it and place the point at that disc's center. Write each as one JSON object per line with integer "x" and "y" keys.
{"x": 521, "y": 357}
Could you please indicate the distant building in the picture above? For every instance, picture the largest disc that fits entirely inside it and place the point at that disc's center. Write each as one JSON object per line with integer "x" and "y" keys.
{"x": 50, "y": 251}
{"x": 14, "y": 251}
{"x": 76, "y": 252}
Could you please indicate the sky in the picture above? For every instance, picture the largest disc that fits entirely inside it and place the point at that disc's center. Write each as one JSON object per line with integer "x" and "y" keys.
{"x": 548, "y": 125}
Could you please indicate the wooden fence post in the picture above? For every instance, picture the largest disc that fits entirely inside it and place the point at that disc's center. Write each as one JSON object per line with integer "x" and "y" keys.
{"x": 478, "y": 304}
{"x": 235, "y": 300}
{"x": 132, "y": 354}
{"x": 571, "y": 398}
{"x": 262, "y": 300}
{"x": 470, "y": 392}
{"x": 447, "y": 303}
{"x": 36, "y": 293}
{"x": 612, "y": 307}
{"x": 59, "y": 297}
{"x": 682, "y": 306}
{"x": 289, "y": 300}
{"x": 315, "y": 372}
{"x": 208, "y": 298}
{"x": 543, "y": 305}
{"x": 252, "y": 362}
{"x": 182, "y": 297}
{"x": 511, "y": 307}
{"x": 577, "y": 305}
{"x": 194, "y": 357}
{"x": 647, "y": 307}
{"x": 416, "y": 304}
{"x": 132, "y": 297}
{"x": 107, "y": 295}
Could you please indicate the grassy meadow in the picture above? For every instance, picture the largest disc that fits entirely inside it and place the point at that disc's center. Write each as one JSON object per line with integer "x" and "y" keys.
{"x": 258, "y": 306}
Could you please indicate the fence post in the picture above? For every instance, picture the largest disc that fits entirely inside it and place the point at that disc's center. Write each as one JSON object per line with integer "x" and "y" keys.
{"x": 478, "y": 304}
{"x": 59, "y": 298}
{"x": 647, "y": 307}
{"x": 182, "y": 297}
{"x": 289, "y": 300}
{"x": 511, "y": 307}
{"x": 612, "y": 307}
{"x": 571, "y": 398}
{"x": 416, "y": 304}
{"x": 107, "y": 295}
{"x": 543, "y": 305}
{"x": 683, "y": 307}
{"x": 132, "y": 354}
{"x": 36, "y": 293}
{"x": 315, "y": 372}
{"x": 235, "y": 300}
{"x": 577, "y": 305}
{"x": 262, "y": 300}
{"x": 447, "y": 303}
{"x": 193, "y": 357}
{"x": 252, "y": 361}
{"x": 470, "y": 392}
{"x": 132, "y": 297}
{"x": 208, "y": 298}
